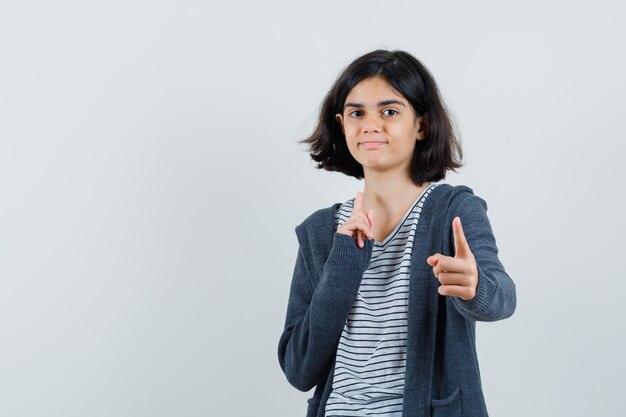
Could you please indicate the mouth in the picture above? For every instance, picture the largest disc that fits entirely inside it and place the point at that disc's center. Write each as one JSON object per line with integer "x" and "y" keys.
{"x": 372, "y": 144}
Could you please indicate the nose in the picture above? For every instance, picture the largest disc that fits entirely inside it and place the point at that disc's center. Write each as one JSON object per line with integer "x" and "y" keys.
{"x": 371, "y": 123}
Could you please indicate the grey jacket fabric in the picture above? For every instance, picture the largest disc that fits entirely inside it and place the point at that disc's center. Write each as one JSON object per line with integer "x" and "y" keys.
{"x": 442, "y": 376}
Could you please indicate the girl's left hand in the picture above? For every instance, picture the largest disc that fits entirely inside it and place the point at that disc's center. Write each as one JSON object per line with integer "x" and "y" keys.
{"x": 459, "y": 275}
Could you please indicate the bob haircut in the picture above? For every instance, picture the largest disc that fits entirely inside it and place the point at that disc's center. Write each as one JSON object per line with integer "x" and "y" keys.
{"x": 433, "y": 156}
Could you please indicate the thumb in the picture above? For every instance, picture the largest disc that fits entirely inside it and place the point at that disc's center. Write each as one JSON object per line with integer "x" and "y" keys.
{"x": 433, "y": 259}
{"x": 462, "y": 249}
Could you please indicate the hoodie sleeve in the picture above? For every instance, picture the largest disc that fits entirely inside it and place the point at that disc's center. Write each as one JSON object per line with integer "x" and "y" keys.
{"x": 495, "y": 294}
{"x": 316, "y": 315}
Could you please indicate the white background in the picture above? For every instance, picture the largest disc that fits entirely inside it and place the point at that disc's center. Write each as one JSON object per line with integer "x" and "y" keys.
{"x": 151, "y": 179}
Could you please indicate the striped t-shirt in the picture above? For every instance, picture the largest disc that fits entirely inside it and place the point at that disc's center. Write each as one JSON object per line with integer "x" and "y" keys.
{"x": 371, "y": 356}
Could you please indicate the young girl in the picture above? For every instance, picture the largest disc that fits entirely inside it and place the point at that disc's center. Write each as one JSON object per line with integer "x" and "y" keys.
{"x": 387, "y": 287}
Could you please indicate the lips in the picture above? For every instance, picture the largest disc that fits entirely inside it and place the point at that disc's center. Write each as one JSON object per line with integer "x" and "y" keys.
{"x": 372, "y": 143}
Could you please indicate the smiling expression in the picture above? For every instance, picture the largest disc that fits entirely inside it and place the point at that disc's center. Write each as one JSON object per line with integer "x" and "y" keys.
{"x": 380, "y": 126}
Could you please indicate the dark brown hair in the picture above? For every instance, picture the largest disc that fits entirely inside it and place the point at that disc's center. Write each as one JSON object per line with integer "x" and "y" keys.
{"x": 438, "y": 152}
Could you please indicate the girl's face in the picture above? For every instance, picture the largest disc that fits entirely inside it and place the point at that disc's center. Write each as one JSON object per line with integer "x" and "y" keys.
{"x": 380, "y": 126}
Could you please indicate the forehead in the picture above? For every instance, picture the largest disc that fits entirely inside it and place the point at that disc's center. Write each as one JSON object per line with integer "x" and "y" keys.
{"x": 373, "y": 89}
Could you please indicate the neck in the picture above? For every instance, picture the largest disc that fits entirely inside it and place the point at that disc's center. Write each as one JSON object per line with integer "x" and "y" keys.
{"x": 389, "y": 192}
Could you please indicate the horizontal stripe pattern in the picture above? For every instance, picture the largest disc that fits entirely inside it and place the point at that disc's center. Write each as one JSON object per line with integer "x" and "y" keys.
{"x": 371, "y": 355}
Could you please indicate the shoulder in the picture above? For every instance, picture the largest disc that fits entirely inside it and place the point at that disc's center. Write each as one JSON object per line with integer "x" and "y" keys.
{"x": 451, "y": 201}
{"x": 320, "y": 222}
{"x": 461, "y": 201}
{"x": 465, "y": 200}
{"x": 315, "y": 235}
{"x": 457, "y": 195}
{"x": 320, "y": 216}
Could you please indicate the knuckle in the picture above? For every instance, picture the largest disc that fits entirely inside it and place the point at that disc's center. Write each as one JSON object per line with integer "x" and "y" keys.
{"x": 470, "y": 293}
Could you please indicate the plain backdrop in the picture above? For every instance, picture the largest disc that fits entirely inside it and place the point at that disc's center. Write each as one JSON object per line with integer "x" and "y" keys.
{"x": 151, "y": 180}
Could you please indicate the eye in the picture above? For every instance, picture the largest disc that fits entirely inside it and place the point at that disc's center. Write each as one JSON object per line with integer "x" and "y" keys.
{"x": 353, "y": 113}
{"x": 394, "y": 112}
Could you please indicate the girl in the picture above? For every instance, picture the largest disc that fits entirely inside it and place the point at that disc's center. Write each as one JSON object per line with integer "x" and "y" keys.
{"x": 387, "y": 287}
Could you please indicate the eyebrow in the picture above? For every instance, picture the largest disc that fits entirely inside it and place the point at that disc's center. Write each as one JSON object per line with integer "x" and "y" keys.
{"x": 380, "y": 104}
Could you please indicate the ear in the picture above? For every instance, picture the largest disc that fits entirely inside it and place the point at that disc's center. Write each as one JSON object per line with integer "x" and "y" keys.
{"x": 339, "y": 119}
{"x": 422, "y": 126}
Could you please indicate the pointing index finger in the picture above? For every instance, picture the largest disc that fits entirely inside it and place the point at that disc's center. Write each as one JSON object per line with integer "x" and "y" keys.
{"x": 358, "y": 202}
{"x": 462, "y": 248}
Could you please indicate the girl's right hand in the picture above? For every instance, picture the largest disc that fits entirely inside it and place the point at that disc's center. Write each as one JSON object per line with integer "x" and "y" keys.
{"x": 360, "y": 224}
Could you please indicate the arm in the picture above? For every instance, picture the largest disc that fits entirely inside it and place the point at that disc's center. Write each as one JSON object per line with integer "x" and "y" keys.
{"x": 316, "y": 316}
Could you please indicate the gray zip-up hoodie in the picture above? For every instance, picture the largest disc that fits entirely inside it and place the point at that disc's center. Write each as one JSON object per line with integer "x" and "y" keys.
{"x": 442, "y": 377}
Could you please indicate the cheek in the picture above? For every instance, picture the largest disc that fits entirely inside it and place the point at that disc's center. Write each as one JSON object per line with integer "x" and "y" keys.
{"x": 352, "y": 145}
{"x": 350, "y": 128}
{"x": 351, "y": 135}
{"x": 409, "y": 134}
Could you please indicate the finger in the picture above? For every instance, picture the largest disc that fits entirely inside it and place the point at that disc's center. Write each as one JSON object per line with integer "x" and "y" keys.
{"x": 357, "y": 221}
{"x": 462, "y": 249}
{"x": 345, "y": 230}
{"x": 358, "y": 202}
{"x": 433, "y": 259}
{"x": 454, "y": 278}
{"x": 440, "y": 263}
{"x": 448, "y": 264}
{"x": 362, "y": 224}
{"x": 359, "y": 238}
{"x": 463, "y": 293}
